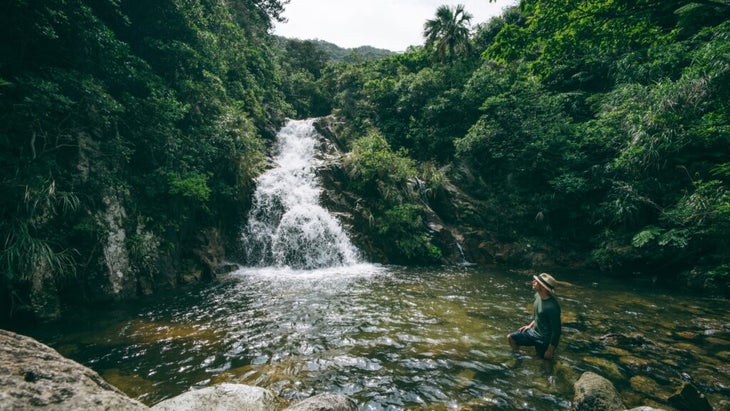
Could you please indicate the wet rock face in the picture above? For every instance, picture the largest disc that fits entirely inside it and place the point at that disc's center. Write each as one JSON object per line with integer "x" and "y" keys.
{"x": 44, "y": 300}
{"x": 34, "y": 376}
{"x": 116, "y": 256}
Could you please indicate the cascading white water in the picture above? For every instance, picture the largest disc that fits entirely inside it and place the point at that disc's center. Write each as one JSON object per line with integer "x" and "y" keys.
{"x": 286, "y": 226}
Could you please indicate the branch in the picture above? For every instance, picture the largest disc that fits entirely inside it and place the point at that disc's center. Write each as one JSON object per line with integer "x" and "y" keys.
{"x": 32, "y": 145}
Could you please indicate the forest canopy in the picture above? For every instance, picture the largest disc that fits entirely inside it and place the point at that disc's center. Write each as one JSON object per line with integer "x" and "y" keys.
{"x": 158, "y": 110}
{"x": 598, "y": 126}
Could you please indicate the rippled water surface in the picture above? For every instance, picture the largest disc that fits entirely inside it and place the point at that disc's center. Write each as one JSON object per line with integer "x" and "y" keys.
{"x": 394, "y": 338}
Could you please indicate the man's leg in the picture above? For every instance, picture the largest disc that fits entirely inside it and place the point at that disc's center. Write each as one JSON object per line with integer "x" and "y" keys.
{"x": 520, "y": 339}
{"x": 512, "y": 342}
{"x": 540, "y": 350}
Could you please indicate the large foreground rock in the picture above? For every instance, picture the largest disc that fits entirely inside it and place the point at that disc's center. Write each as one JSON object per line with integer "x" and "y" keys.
{"x": 35, "y": 376}
{"x": 595, "y": 393}
{"x": 221, "y": 397}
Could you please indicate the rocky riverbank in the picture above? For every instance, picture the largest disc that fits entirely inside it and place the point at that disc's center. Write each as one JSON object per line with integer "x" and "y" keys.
{"x": 35, "y": 376}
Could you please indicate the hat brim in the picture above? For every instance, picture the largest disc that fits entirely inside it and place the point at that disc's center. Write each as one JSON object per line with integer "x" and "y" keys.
{"x": 545, "y": 285}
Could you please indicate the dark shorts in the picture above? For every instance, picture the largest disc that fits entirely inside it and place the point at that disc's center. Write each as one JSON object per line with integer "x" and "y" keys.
{"x": 530, "y": 338}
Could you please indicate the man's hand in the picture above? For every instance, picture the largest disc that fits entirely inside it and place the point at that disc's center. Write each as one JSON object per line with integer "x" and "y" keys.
{"x": 526, "y": 327}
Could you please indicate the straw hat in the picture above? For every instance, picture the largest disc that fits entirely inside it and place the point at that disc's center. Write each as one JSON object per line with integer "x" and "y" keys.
{"x": 547, "y": 281}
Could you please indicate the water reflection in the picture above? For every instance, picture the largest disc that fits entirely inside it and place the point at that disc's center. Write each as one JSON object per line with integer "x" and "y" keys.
{"x": 397, "y": 338}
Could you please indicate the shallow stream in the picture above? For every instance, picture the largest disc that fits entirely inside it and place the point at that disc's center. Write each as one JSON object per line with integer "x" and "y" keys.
{"x": 396, "y": 338}
{"x": 389, "y": 337}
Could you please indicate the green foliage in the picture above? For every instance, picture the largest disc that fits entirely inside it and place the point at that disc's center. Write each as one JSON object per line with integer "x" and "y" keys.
{"x": 336, "y": 54}
{"x": 375, "y": 170}
{"x": 402, "y": 227}
{"x": 28, "y": 248}
{"x": 596, "y": 125}
{"x": 706, "y": 208}
{"x": 448, "y": 33}
{"x": 193, "y": 186}
{"x": 645, "y": 236}
{"x": 25, "y": 256}
{"x": 307, "y": 67}
{"x": 167, "y": 101}
{"x": 716, "y": 278}
{"x": 385, "y": 180}
{"x": 415, "y": 105}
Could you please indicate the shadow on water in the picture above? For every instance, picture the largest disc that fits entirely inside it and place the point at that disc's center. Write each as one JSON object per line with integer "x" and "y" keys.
{"x": 397, "y": 338}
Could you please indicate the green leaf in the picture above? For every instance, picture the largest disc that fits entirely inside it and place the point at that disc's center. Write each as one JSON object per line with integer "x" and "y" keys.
{"x": 646, "y": 236}
{"x": 193, "y": 185}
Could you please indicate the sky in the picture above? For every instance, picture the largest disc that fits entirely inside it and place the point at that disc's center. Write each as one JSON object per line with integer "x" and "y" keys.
{"x": 387, "y": 24}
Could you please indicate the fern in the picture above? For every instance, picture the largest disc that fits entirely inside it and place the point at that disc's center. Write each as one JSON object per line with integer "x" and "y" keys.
{"x": 675, "y": 237}
{"x": 646, "y": 236}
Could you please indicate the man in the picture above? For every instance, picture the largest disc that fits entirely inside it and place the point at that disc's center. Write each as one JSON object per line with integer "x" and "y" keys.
{"x": 544, "y": 331}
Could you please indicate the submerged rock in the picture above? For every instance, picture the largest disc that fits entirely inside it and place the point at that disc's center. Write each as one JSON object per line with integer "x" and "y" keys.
{"x": 625, "y": 341}
{"x": 635, "y": 363}
{"x": 605, "y": 366}
{"x": 35, "y": 376}
{"x": 687, "y": 398}
{"x": 645, "y": 385}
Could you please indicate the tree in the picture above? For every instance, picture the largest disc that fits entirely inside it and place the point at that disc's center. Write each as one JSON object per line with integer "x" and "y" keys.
{"x": 156, "y": 110}
{"x": 303, "y": 63}
{"x": 448, "y": 32}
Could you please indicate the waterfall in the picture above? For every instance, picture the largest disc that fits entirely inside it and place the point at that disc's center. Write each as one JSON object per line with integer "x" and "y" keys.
{"x": 286, "y": 225}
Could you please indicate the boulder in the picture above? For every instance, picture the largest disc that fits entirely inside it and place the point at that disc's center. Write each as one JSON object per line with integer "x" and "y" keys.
{"x": 687, "y": 398}
{"x": 325, "y": 402}
{"x": 35, "y": 376}
{"x": 595, "y": 393}
{"x": 625, "y": 341}
{"x": 221, "y": 397}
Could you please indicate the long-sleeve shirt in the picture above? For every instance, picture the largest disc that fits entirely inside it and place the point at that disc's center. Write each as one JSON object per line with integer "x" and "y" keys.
{"x": 547, "y": 319}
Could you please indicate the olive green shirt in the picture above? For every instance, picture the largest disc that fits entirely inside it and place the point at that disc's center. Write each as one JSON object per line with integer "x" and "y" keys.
{"x": 547, "y": 319}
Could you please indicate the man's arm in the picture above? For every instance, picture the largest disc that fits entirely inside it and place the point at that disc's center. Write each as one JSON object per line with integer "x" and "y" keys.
{"x": 556, "y": 328}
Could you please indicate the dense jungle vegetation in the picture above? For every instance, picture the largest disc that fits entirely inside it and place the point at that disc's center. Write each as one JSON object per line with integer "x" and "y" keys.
{"x": 600, "y": 127}
{"x": 595, "y": 126}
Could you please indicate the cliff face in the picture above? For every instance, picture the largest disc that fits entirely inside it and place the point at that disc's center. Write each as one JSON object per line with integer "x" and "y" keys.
{"x": 358, "y": 213}
{"x": 125, "y": 260}
{"x": 452, "y": 217}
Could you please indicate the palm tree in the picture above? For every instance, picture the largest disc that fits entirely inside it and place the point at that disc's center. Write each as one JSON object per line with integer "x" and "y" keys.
{"x": 449, "y": 31}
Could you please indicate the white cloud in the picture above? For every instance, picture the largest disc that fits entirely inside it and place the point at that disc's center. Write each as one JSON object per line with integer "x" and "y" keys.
{"x": 388, "y": 24}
